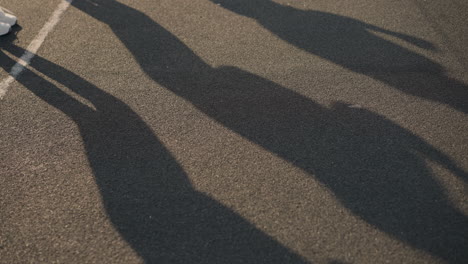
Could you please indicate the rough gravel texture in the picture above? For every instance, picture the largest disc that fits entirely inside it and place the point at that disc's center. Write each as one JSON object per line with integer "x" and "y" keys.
{"x": 237, "y": 131}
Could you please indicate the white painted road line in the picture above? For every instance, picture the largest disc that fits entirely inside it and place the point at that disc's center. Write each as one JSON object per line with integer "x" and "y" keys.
{"x": 34, "y": 47}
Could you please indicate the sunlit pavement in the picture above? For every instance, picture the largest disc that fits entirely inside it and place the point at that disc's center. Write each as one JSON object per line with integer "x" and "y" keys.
{"x": 243, "y": 131}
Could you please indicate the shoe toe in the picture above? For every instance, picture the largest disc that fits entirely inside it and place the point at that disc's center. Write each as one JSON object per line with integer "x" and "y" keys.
{"x": 4, "y": 29}
{"x": 10, "y": 19}
{"x": 7, "y": 18}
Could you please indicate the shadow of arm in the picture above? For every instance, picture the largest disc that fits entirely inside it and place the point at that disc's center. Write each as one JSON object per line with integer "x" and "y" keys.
{"x": 443, "y": 160}
{"x": 421, "y": 43}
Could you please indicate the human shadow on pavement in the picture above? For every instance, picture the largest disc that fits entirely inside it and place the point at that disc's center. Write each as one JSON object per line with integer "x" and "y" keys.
{"x": 145, "y": 192}
{"x": 6, "y": 41}
{"x": 375, "y": 168}
{"x": 354, "y": 45}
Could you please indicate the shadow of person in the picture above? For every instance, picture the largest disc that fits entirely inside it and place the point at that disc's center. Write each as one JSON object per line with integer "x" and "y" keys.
{"x": 145, "y": 192}
{"x": 375, "y": 168}
{"x": 353, "y": 45}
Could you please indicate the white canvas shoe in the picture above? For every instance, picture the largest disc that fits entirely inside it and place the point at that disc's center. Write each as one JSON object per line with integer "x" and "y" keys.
{"x": 4, "y": 28}
{"x": 7, "y": 17}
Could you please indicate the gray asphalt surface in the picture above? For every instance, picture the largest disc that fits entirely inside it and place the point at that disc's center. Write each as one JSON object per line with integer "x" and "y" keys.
{"x": 243, "y": 131}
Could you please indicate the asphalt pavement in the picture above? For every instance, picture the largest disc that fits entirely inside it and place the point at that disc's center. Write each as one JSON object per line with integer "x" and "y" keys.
{"x": 235, "y": 131}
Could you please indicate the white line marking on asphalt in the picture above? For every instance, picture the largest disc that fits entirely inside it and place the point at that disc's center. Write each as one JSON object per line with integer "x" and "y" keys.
{"x": 34, "y": 47}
